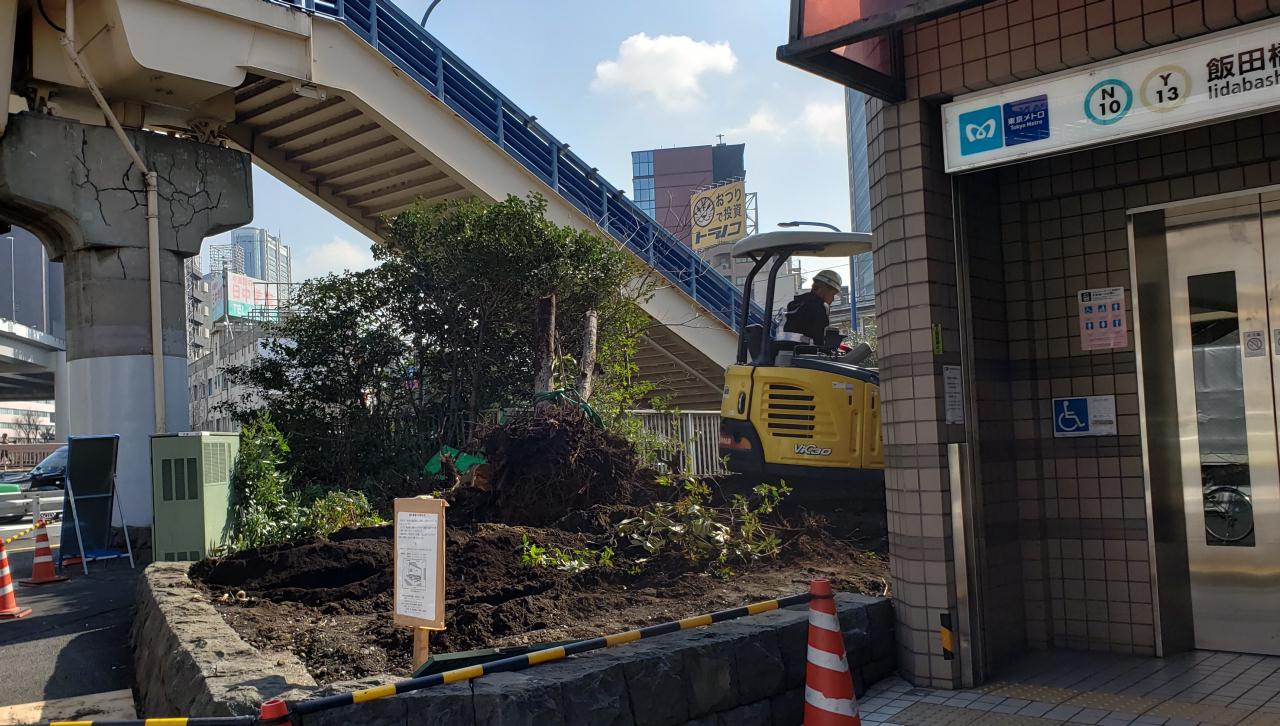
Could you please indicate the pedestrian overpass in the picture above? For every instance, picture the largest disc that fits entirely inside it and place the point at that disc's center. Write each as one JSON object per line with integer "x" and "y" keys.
{"x": 355, "y": 106}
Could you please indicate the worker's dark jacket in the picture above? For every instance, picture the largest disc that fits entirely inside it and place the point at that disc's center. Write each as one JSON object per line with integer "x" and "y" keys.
{"x": 806, "y": 315}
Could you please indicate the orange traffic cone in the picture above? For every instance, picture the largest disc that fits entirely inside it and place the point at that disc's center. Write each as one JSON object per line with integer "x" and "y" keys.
{"x": 9, "y": 609}
{"x": 42, "y": 571}
{"x": 828, "y": 687}
{"x": 273, "y": 711}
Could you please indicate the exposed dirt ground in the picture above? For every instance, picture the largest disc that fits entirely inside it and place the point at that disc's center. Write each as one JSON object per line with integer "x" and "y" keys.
{"x": 329, "y": 602}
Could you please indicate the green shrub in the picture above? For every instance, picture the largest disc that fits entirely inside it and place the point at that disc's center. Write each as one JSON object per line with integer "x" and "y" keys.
{"x": 719, "y": 536}
{"x": 335, "y": 510}
{"x": 264, "y": 509}
{"x": 571, "y": 560}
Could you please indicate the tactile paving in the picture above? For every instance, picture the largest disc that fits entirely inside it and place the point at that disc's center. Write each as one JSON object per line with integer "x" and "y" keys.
{"x": 929, "y": 714}
{"x": 1219, "y": 715}
{"x": 1031, "y": 692}
{"x": 1114, "y": 702}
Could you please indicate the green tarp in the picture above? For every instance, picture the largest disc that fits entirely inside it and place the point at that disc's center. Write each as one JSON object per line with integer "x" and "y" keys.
{"x": 462, "y": 461}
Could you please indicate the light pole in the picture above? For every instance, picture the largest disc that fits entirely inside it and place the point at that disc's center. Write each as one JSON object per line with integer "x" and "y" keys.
{"x": 798, "y": 223}
{"x": 427, "y": 14}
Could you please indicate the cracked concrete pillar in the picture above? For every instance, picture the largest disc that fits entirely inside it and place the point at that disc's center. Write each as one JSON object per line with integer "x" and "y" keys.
{"x": 74, "y": 186}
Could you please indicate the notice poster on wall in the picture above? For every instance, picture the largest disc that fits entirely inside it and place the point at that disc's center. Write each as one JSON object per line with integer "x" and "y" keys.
{"x": 1104, "y": 323}
{"x": 419, "y": 563}
{"x": 953, "y": 394}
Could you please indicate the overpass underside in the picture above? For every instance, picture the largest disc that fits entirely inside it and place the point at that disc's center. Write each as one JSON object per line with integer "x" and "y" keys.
{"x": 366, "y": 114}
{"x": 28, "y": 358}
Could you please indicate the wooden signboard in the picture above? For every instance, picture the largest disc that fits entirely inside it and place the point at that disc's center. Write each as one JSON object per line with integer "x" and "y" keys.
{"x": 418, "y": 574}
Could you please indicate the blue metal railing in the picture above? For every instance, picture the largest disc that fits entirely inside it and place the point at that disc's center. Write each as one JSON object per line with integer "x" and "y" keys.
{"x": 414, "y": 51}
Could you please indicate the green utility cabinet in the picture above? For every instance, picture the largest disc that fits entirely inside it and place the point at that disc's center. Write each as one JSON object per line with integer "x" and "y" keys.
{"x": 191, "y": 492}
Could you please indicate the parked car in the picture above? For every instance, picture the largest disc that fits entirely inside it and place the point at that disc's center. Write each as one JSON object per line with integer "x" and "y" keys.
{"x": 48, "y": 479}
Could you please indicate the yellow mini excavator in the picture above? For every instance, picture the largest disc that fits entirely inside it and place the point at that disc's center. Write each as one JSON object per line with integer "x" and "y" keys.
{"x": 800, "y": 411}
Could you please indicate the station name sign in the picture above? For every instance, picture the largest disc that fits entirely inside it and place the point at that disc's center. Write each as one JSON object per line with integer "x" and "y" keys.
{"x": 1213, "y": 77}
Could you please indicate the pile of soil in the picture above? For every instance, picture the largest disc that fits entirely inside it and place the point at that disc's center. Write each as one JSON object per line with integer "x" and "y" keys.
{"x": 556, "y": 480}
{"x": 550, "y": 461}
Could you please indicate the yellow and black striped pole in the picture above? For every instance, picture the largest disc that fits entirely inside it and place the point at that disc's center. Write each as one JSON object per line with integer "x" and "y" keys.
{"x": 23, "y": 533}
{"x": 947, "y": 636}
{"x": 520, "y": 662}
{"x": 209, "y": 721}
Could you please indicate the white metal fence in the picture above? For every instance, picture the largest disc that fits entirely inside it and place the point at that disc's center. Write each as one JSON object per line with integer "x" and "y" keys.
{"x": 692, "y": 438}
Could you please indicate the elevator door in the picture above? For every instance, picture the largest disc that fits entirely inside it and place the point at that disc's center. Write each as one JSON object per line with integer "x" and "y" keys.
{"x": 1224, "y": 287}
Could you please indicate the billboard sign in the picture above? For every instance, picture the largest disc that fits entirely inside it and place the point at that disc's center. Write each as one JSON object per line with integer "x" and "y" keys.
{"x": 233, "y": 295}
{"x": 240, "y": 295}
{"x": 718, "y": 215}
{"x": 1223, "y": 75}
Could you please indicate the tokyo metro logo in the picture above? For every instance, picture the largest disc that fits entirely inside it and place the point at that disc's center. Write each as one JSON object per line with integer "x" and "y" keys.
{"x": 1009, "y": 124}
{"x": 981, "y": 130}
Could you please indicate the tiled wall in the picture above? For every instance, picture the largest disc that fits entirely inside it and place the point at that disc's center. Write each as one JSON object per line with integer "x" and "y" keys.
{"x": 915, "y": 287}
{"x": 1084, "y": 576}
{"x": 1007, "y": 40}
{"x": 1063, "y": 521}
{"x": 1083, "y": 510}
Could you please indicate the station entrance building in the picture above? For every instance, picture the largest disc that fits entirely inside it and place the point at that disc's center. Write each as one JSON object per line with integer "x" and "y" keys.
{"x": 1076, "y": 206}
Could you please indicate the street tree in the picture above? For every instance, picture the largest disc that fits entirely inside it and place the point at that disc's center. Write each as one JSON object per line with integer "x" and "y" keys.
{"x": 372, "y": 371}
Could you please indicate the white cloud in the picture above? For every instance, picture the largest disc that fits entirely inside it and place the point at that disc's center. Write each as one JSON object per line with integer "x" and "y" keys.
{"x": 667, "y": 67}
{"x": 763, "y": 122}
{"x": 825, "y": 122}
{"x": 335, "y": 256}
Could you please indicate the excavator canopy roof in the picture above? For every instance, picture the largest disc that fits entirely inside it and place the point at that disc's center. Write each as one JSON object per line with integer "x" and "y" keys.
{"x": 806, "y": 242}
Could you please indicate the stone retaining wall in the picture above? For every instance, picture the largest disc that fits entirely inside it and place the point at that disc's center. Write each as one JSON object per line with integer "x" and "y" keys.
{"x": 189, "y": 662}
{"x": 748, "y": 672}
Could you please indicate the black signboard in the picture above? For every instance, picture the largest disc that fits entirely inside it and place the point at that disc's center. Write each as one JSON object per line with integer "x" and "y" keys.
{"x": 89, "y": 502}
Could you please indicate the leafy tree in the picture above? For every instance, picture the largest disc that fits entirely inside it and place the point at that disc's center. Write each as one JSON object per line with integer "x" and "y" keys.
{"x": 374, "y": 370}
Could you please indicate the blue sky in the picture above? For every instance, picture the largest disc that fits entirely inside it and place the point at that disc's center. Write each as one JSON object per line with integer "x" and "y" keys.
{"x": 587, "y": 70}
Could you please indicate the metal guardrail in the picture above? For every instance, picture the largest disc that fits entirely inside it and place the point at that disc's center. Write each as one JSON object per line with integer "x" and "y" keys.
{"x": 426, "y": 60}
{"x": 696, "y": 433}
{"x": 13, "y": 504}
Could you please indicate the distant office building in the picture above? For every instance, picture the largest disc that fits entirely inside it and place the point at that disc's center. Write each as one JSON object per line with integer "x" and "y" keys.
{"x": 266, "y": 258}
{"x": 31, "y": 288}
{"x": 32, "y": 331}
{"x": 27, "y": 422}
{"x": 241, "y": 310}
{"x": 210, "y": 388}
{"x": 664, "y": 179}
{"x": 228, "y": 257}
{"x": 198, "y": 320}
{"x": 861, "y": 268}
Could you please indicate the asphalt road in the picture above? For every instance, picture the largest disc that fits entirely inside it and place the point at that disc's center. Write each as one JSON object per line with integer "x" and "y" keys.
{"x": 75, "y": 642}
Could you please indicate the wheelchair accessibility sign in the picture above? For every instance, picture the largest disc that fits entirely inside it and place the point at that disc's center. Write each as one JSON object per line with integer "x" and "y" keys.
{"x": 1084, "y": 416}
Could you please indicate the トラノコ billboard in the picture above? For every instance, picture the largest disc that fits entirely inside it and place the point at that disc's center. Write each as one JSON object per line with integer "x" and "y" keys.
{"x": 718, "y": 215}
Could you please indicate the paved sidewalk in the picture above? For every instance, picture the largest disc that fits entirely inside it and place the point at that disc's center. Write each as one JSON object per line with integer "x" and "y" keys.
{"x": 1202, "y": 687}
{"x": 76, "y": 640}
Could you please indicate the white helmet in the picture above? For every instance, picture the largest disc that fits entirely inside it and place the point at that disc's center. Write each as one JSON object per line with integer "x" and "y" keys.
{"x": 830, "y": 278}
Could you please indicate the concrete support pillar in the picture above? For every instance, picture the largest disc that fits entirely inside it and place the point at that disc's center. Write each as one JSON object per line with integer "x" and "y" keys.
{"x": 61, "y": 397}
{"x": 75, "y": 187}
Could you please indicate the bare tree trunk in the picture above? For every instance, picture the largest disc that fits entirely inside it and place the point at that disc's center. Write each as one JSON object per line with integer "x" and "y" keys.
{"x": 544, "y": 345}
{"x": 586, "y": 378}
{"x": 473, "y": 408}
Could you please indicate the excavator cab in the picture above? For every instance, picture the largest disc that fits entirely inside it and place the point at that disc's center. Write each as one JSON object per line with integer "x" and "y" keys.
{"x": 800, "y": 411}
